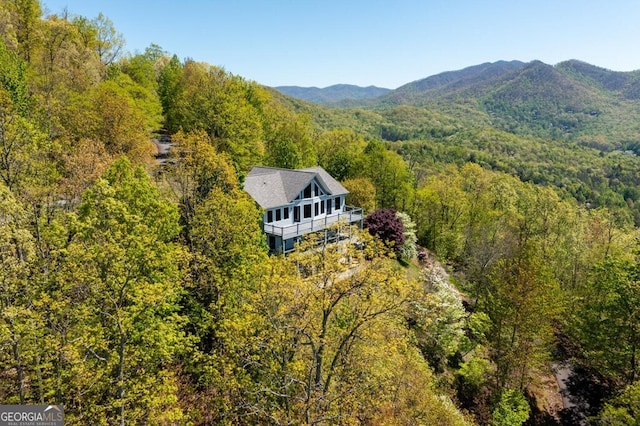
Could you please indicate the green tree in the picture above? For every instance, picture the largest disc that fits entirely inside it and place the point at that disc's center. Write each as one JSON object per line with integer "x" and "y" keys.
{"x": 624, "y": 409}
{"x": 340, "y": 352}
{"x": 609, "y": 310}
{"x": 122, "y": 259}
{"x": 222, "y": 105}
{"x": 524, "y": 302}
{"x": 13, "y": 79}
{"x": 362, "y": 193}
{"x": 25, "y": 16}
{"x": 171, "y": 92}
{"x": 340, "y": 153}
{"x": 512, "y": 409}
{"x": 144, "y": 68}
{"x": 440, "y": 213}
{"x": 108, "y": 42}
{"x": 227, "y": 256}
{"x": 117, "y": 113}
{"x": 390, "y": 174}
{"x": 195, "y": 169}
{"x": 288, "y": 137}
{"x": 20, "y": 323}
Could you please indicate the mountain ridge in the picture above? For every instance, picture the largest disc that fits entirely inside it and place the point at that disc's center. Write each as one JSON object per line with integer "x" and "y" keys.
{"x": 334, "y": 93}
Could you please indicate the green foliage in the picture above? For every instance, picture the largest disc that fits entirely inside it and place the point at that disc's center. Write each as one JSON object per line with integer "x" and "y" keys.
{"x": 523, "y": 302}
{"x": 608, "y": 310}
{"x": 20, "y": 323}
{"x": 171, "y": 312}
{"x": 122, "y": 258}
{"x": 108, "y": 42}
{"x": 194, "y": 170}
{"x": 340, "y": 153}
{"x": 512, "y": 409}
{"x": 227, "y": 108}
{"x": 288, "y": 138}
{"x": 23, "y": 147}
{"x": 330, "y": 330}
{"x": 474, "y": 372}
{"x": 143, "y": 68}
{"x": 362, "y": 193}
{"x": 13, "y": 79}
{"x": 624, "y": 409}
{"x": 390, "y": 174}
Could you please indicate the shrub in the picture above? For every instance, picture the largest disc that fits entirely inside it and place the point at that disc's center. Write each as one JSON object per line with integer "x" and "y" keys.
{"x": 385, "y": 224}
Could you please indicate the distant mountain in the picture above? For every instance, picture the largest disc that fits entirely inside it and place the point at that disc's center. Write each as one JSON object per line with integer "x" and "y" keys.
{"x": 333, "y": 94}
{"x": 625, "y": 83}
{"x": 571, "y": 100}
{"x": 450, "y": 82}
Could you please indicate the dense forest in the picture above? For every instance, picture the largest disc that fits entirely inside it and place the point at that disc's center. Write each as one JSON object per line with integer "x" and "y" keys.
{"x": 134, "y": 291}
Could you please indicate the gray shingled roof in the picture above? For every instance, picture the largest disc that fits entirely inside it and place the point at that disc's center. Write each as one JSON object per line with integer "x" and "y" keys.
{"x": 271, "y": 187}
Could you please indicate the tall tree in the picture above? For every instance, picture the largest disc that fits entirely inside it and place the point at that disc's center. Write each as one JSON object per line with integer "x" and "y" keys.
{"x": 608, "y": 310}
{"x": 195, "y": 169}
{"x": 388, "y": 171}
{"x": 108, "y": 42}
{"x": 122, "y": 259}
{"x": 25, "y": 15}
{"x": 20, "y": 323}
{"x": 524, "y": 302}
{"x": 333, "y": 323}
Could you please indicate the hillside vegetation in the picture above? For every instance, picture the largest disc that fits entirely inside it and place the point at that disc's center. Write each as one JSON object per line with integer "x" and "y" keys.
{"x": 138, "y": 293}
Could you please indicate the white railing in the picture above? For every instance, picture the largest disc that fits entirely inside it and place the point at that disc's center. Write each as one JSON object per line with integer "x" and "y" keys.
{"x": 350, "y": 215}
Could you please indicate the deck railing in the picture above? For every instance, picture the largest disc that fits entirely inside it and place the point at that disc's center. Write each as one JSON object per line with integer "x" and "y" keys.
{"x": 350, "y": 214}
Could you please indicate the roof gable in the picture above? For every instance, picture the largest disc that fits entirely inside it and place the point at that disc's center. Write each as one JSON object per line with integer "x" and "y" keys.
{"x": 273, "y": 187}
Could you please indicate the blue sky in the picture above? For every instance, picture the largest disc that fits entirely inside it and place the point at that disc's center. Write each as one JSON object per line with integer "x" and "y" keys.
{"x": 385, "y": 43}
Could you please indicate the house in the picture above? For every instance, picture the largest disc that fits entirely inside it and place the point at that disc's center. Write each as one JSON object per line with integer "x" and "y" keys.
{"x": 298, "y": 202}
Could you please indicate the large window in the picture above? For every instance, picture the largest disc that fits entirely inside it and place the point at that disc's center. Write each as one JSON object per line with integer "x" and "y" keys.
{"x": 269, "y": 216}
{"x": 307, "y": 211}
{"x": 316, "y": 209}
{"x": 307, "y": 192}
{"x": 296, "y": 214}
{"x": 286, "y": 213}
{"x": 329, "y": 205}
{"x": 278, "y": 215}
{"x": 338, "y": 199}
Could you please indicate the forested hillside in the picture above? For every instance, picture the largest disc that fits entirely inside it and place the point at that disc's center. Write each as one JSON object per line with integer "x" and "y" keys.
{"x": 134, "y": 292}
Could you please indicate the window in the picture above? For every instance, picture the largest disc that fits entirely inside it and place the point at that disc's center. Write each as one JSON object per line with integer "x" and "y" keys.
{"x": 286, "y": 213}
{"x": 296, "y": 214}
{"x": 278, "y": 215}
{"x": 307, "y": 192}
{"x": 329, "y": 205}
{"x": 322, "y": 207}
{"x": 316, "y": 209}
{"x": 307, "y": 211}
{"x": 269, "y": 216}
{"x": 338, "y": 203}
